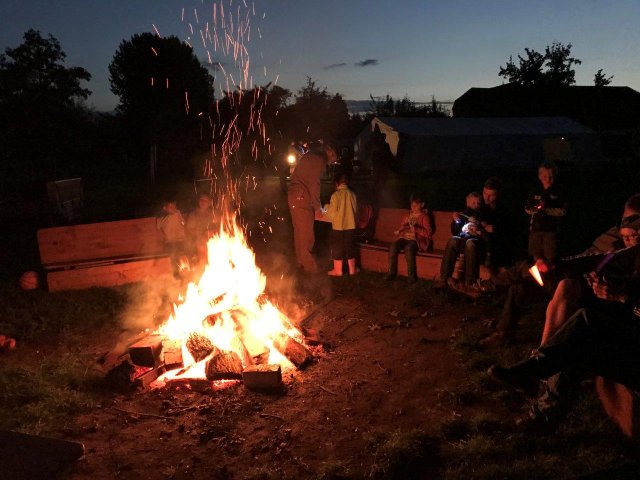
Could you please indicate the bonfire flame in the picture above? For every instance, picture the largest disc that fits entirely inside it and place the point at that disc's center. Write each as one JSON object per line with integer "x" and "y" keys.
{"x": 226, "y": 305}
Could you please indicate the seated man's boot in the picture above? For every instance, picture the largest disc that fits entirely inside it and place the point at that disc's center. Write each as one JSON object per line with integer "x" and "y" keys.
{"x": 523, "y": 376}
{"x": 536, "y": 422}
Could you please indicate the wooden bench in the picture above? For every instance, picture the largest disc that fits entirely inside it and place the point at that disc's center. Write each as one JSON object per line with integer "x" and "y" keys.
{"x": 102, "y": 254}
{"x": 374, "y": 254}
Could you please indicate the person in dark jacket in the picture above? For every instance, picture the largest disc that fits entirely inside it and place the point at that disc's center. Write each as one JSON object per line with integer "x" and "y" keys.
{"x": 304, "y": 202}
{"x": 546, "y": 206}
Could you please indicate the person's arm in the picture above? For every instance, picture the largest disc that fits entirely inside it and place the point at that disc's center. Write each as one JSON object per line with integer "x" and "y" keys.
{"x": 532, "y": 205}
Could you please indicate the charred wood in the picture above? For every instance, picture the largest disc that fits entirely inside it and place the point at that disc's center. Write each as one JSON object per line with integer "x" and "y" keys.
{"x": 295, "y": 352}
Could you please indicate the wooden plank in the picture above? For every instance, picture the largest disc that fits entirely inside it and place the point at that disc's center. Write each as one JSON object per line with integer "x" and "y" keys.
{"x": 147, "y": 352}
{"x": 262, "y": 377}
{"x": 78, "y": 243}
{"x": 109, "y": 275}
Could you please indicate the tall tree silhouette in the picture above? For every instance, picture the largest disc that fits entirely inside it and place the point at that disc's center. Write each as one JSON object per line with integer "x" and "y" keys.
{"x": 42, "y": 120}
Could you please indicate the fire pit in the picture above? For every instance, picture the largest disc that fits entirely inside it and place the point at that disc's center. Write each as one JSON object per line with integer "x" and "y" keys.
{"x": 224, "y": 327}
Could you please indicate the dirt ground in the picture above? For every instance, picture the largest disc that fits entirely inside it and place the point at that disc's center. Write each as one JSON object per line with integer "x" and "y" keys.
{"x": 385, "y": 365}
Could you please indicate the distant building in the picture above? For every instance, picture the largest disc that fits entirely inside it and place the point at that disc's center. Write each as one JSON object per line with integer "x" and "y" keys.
{"x": 612, "y": 112}
{"x": 432, "y": 144}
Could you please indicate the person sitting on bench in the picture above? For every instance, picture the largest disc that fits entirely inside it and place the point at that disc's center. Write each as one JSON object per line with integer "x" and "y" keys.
{"x": 415, "y": 233}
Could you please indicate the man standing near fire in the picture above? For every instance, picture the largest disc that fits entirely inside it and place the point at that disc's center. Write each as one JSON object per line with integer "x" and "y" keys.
{"x": 304, "y": 201}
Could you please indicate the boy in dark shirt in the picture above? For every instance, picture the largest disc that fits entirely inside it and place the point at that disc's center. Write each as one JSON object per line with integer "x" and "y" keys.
{"x": 546, "y": 206}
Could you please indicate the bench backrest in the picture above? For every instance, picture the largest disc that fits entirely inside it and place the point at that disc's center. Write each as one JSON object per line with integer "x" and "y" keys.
{"x": 388, "y": 220}
{"x": 98, "y": 241}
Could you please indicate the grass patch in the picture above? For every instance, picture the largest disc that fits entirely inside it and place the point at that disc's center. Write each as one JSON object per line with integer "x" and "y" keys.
{"x": 403, "y": 455}
{"x": 45, "y": 398}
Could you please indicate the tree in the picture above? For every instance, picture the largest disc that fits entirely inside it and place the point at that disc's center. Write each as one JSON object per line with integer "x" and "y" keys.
{"x": 556, "y": 62}
{"x": 34, "y": 73}
{"x": 560, "y": 64}
{"x": 406, "y": 107}
{"x": 317, "y": 114}
{"x": 601, "y": 80}
{"x": 44, "y": 129}
{"x": 527, "y": 72}
{"x": 166, "y": 96}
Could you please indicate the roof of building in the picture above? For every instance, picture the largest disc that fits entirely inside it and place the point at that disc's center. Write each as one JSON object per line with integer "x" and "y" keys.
{"x": 600, "y": 108}
{"x": 457, "y": 126}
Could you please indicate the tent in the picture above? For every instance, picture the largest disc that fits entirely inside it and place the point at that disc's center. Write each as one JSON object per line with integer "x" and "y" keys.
{"x": 428, "y": 144}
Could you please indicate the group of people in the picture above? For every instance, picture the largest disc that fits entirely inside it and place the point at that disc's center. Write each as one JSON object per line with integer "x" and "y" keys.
{"x": 187, "y": 238}
{"x": 592, "y": 326}
{"x": 592, "y": 322}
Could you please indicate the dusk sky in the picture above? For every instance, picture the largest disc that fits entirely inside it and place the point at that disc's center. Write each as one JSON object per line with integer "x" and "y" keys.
{"x": 354, "y": 47}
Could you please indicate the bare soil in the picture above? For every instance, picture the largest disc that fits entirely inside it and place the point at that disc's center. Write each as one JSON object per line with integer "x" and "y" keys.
{"x": 385, "y": 365}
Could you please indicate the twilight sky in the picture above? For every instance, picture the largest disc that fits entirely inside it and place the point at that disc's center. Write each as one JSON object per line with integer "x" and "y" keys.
{"x": 353, "y": 47}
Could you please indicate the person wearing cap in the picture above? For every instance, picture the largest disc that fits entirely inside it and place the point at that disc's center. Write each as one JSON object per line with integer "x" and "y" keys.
{"x": 303, "y": 198}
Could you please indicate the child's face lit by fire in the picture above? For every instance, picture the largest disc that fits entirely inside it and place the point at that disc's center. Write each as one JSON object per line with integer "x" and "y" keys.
{"x": 546, "y": 177}
{"x": 416, "y": 207}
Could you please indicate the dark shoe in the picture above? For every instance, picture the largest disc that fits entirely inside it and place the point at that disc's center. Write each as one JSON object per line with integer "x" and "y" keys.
{"x": 536, "y": 422}
{"x": 485, "y": 286}
{"x": 512, "y": 378}
{"x": 463, "y": 288}
{"x": 390, "y": 277}
{"x": 411, "y": 279}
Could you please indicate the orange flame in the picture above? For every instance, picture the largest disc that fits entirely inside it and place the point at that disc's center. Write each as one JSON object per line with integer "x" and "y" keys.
{"x": 227, "y": 302}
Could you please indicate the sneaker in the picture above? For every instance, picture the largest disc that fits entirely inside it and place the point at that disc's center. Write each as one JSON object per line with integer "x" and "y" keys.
{"x": 507, "y": 376}
{"x": 463, "y": 288}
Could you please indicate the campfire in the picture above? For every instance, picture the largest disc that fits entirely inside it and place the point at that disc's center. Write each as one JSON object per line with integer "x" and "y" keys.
{"x": 224, "y": 327}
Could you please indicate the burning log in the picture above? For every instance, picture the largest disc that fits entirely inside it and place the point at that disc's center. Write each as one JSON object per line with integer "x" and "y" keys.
{"x": 199, "y": 346}
{"x": 262, "y": 377}
{"x": 257, "y": 350}
{"x": 171, "y": 352}
{"x": 295, "y": 352}
{"x": 145, "y": 379}
{"x": 238, "y": 347}
{"x": 223, "y": 365}
{"x": 147, "y": 352}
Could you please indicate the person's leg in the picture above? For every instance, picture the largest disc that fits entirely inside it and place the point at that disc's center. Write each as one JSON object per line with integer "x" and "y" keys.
{"x": 303, "y": 219}
{"x": 394, "y": 248}
{"x": 337, "y": 253}
{"x": 349, "y": 250}
{"x": 410, "y": 253}
{"x": 474, "y": 256}
{"x": 563, "y": 304}
{"x": 451, "y": 253}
